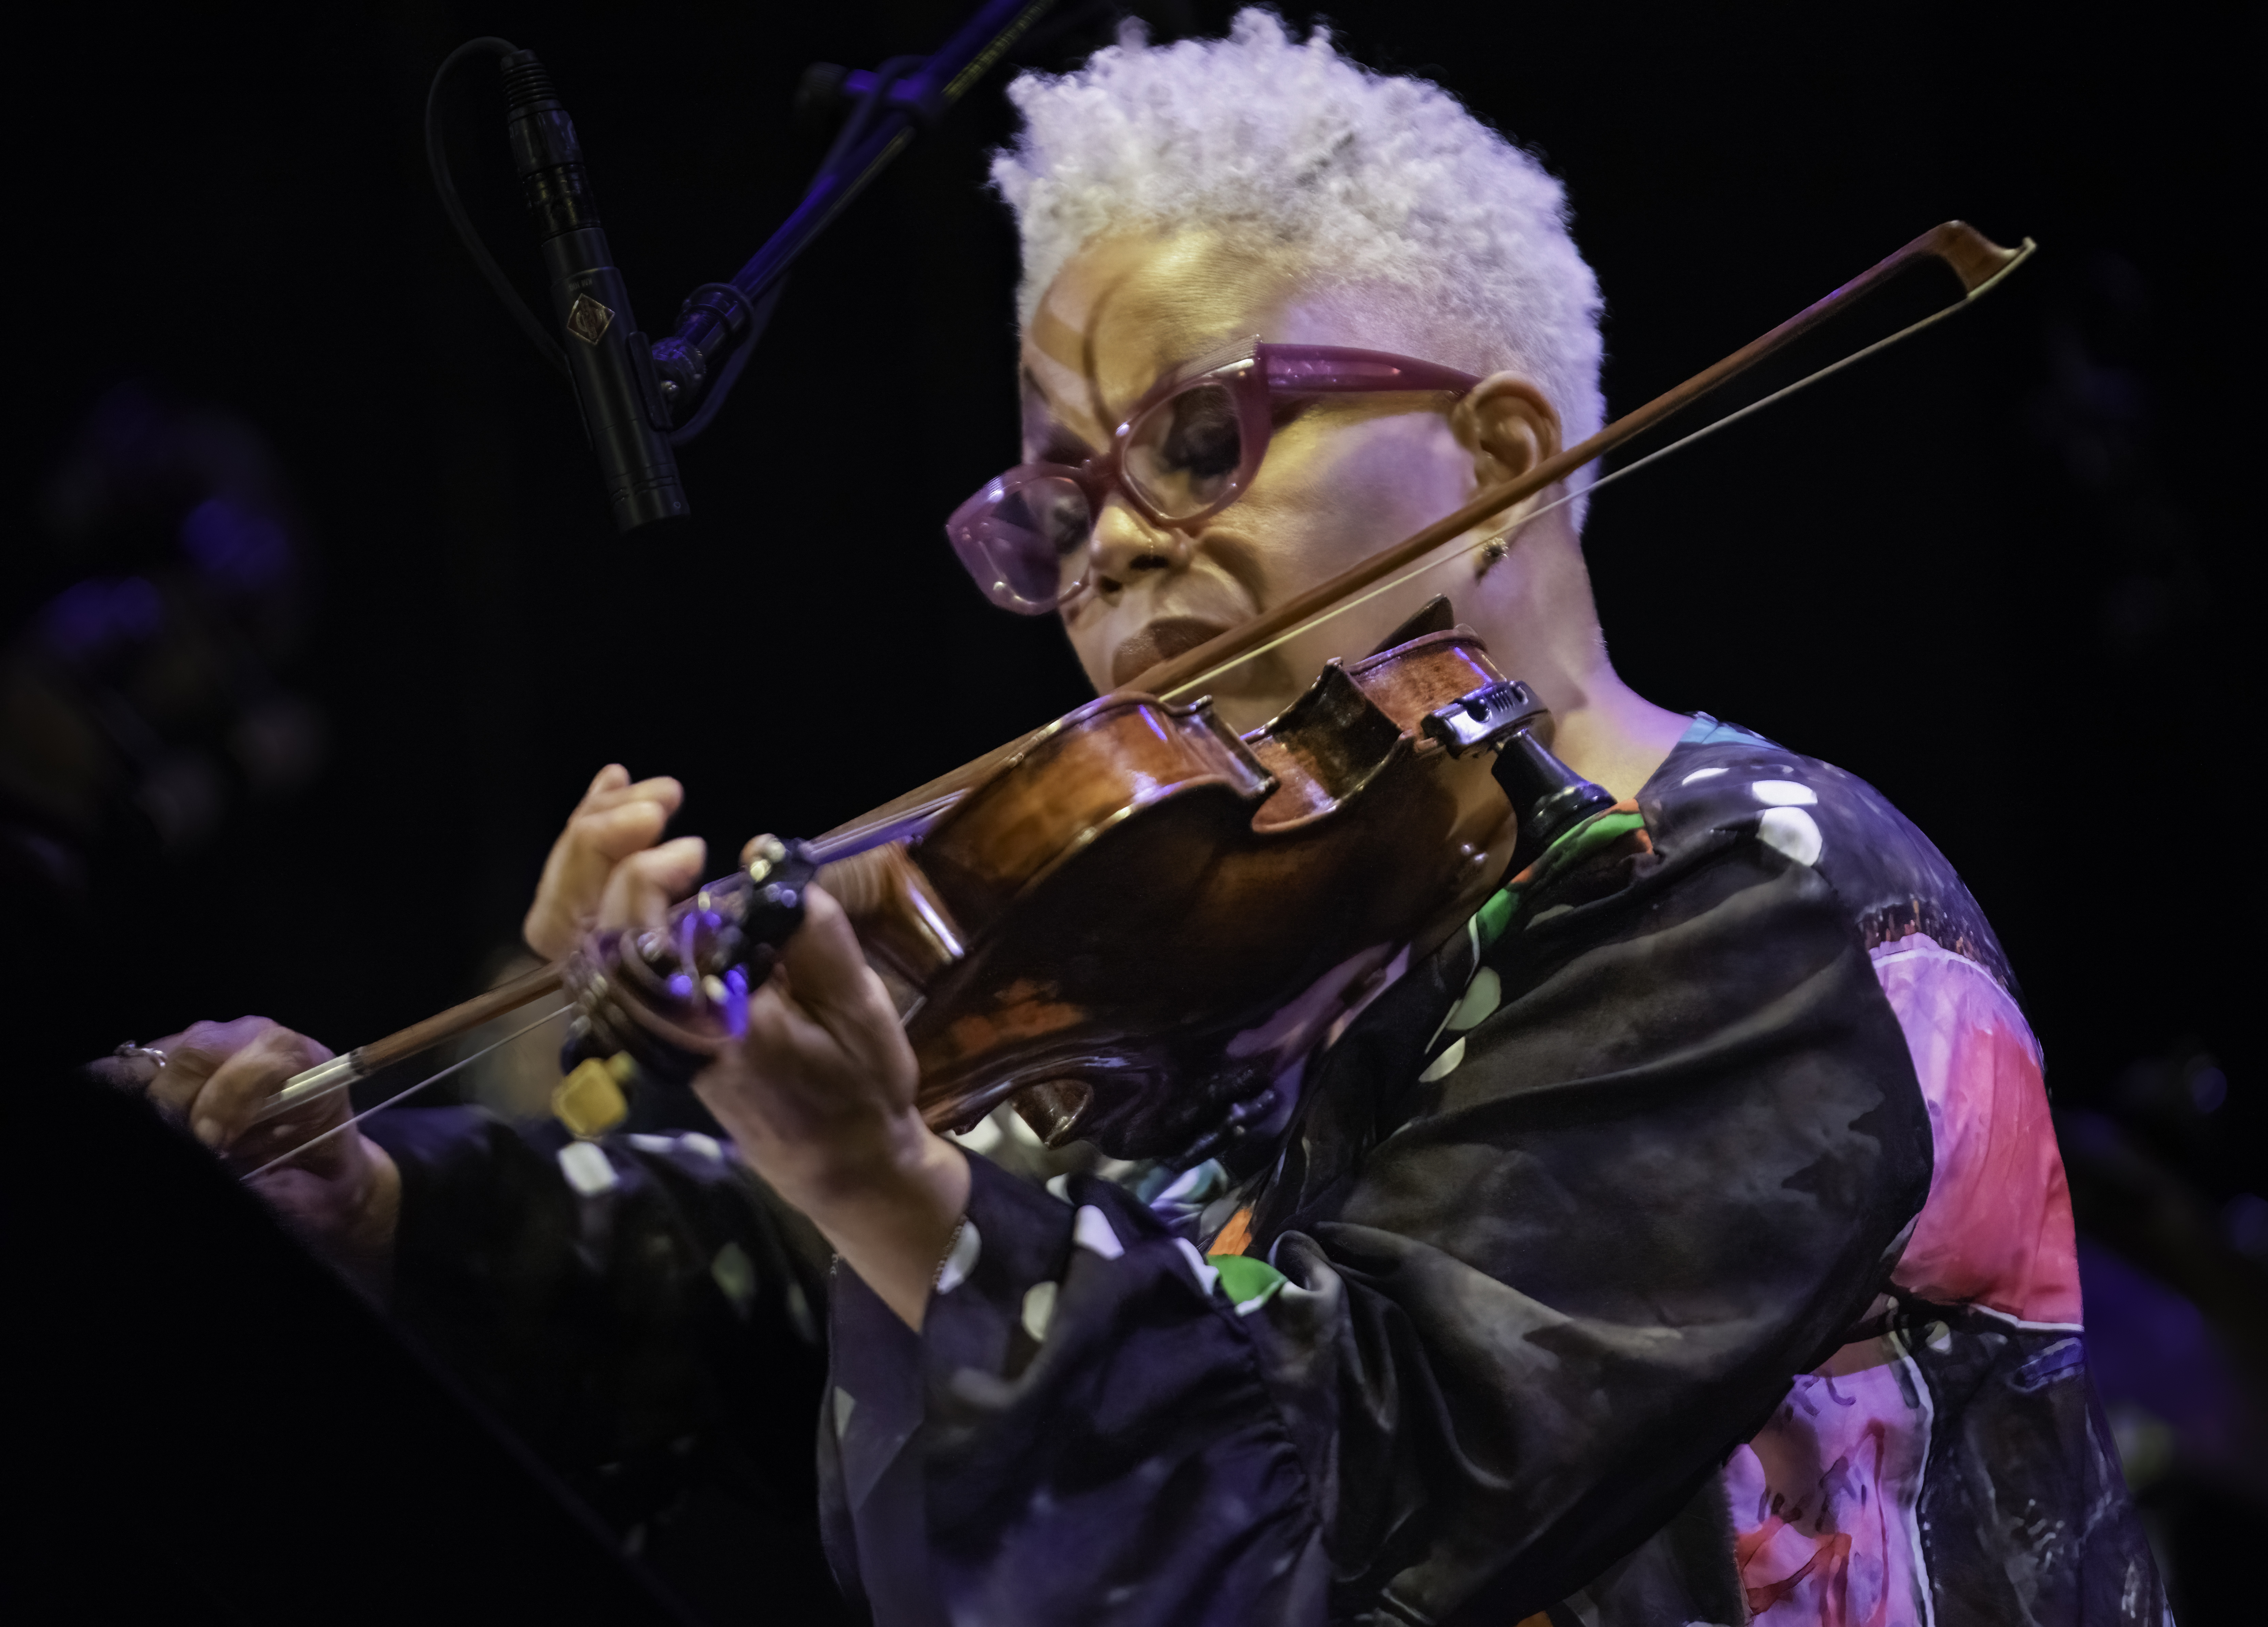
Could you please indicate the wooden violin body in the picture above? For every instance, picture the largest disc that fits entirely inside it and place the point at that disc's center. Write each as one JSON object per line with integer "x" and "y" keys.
{"x": 1112, "y": 926}
{"x": 1142, "y": 887}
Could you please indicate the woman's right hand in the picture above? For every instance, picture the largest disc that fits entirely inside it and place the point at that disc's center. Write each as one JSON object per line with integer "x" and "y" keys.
{"x": 605, "y": 869}
{"x": 343, "y": 1194}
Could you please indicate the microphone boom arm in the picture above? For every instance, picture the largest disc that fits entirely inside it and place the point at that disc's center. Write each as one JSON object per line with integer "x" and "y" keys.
{"x": 640, "y": 400}
{"x": 707, "y": 327}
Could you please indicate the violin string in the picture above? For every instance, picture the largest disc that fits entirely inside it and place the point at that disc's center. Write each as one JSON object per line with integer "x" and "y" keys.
{"x": 1466, "y": 552}
{"x": 395, "y": 1100}
{"x": 853, "y": 838}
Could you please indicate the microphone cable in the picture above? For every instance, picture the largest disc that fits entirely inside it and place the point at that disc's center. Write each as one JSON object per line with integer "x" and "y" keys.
{"x": 437, "y": 159}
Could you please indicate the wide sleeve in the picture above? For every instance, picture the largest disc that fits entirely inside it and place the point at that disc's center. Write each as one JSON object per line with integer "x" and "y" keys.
{"x": 1537, "y": 1269}
{"x": 635, "y": 1308}
{"x": 1656, "y": 1161}
{"x": 1082, "y": 1431}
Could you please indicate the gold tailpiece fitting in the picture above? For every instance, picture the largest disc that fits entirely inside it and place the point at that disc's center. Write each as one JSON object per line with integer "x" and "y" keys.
{"x": 590, "y": 1100}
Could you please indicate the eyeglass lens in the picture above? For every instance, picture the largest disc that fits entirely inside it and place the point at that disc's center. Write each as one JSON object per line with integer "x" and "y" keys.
{"x": 1183, "y": 453}
{"x": 1036, "y": 537}
{"x": 1182, "y": 458}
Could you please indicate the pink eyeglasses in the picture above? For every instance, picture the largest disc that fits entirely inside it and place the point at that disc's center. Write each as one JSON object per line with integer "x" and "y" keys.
{"x": 1186, "y": 452}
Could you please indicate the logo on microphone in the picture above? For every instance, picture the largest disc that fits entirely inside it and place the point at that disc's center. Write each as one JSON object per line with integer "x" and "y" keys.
{"x": 588, "y": 319}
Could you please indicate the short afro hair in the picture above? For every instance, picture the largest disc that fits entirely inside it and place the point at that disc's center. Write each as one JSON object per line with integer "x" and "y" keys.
{"x": 1388, "y": 182}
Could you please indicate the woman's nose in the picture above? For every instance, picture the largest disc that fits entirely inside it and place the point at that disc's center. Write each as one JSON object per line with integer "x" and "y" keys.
{"x": 1125, "y": 545}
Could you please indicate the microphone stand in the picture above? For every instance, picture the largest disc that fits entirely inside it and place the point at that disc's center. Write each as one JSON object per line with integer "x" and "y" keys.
{"x": 641, "y": 400}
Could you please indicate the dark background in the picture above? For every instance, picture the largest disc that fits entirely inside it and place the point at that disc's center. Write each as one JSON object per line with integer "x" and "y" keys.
{"x": 2003, "y": 573}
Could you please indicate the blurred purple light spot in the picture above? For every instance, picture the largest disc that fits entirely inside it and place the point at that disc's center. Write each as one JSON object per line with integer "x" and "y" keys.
{"x": 2244, "y": 1222}
{"x": 2208, "y": 1088}
{"x": 89, "y": 617}
{"x": 2150, "y": 1347}
{"x": 237, "y": 548}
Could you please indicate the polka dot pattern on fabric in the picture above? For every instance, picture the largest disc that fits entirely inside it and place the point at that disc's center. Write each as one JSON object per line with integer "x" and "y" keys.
{"x": 586, "y": 1168}
{"x": 735, "y": 1277}
{"x": 960, "y": 1259}
{"x": 1444, "y": 1064}
{"x": 1482, "y": 995}
{"x": 1784, "y": 793}
{"x": 1700, "y": 774}
{"x": 1091, "y": 1230}
{"x": 1206, "y": 1273}
{"x": 1793, "y": 832}
{"x": 1039, "y": 1310}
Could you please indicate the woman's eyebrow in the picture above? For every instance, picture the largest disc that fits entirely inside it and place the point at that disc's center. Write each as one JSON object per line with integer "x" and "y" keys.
{"x": 1042, "y": 429}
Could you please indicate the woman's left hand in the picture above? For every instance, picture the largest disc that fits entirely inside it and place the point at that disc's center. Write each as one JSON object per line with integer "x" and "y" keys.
{"x": 819, "y": 1098}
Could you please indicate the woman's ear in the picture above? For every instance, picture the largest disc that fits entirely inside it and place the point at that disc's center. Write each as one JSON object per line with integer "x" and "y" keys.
{"x": 1507, "y": 426}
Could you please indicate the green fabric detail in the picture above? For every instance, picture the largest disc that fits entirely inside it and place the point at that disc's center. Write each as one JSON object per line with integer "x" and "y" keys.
{"x": 1497, "y": 914}
{"x": 1586, "y": 838}
{"x": 1244, "y": 1278}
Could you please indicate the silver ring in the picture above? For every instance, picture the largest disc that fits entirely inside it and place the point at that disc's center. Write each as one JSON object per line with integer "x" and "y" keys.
{"x": 131, "y": 1050}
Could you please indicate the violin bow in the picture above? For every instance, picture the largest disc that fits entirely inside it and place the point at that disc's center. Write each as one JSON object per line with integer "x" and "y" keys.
{"x": 1980, "y": 264}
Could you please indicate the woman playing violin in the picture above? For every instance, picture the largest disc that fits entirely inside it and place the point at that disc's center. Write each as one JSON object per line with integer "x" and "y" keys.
{"x": 1684, "y": 1240}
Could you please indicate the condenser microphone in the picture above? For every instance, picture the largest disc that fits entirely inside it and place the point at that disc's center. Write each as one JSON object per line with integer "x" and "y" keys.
{"x": 610, "y": 362}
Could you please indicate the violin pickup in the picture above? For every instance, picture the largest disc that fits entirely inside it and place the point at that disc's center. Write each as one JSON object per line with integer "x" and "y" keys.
{"x": 1484, "y": 719}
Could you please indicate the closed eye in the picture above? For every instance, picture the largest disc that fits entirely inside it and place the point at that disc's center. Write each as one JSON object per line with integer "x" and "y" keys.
{"x": 1064, "y": 451}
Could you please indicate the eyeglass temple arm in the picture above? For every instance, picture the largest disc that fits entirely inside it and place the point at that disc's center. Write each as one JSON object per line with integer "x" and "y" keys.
{"x": 1417, "y": 375}
{"x": 1975, "y": 260}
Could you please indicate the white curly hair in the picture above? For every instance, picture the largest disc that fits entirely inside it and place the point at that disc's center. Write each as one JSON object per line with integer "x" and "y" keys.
{"x": 1379, "y": 182}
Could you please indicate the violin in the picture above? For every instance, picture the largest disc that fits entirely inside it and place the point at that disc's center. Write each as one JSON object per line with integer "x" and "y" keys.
{"x": 1132, "y": 922}
{"x": 1099, "y": 929}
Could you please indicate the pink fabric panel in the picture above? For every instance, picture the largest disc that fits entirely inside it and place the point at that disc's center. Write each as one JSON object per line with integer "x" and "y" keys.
{"x": 1996, "y": 1231}
{"x": 1824, "y": 1501}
